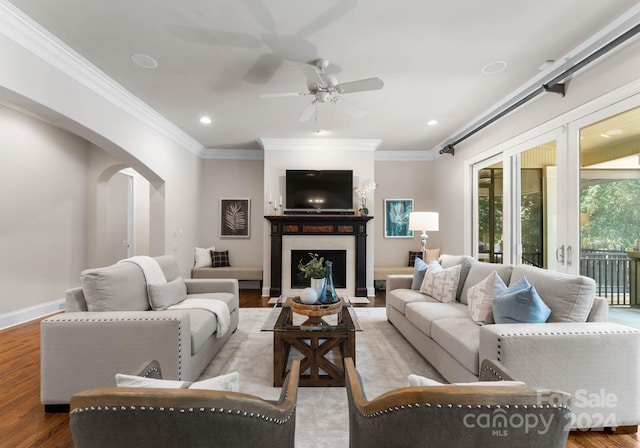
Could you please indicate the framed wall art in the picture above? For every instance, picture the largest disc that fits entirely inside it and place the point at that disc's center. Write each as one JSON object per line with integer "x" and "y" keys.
{"x": 396, "y": 218}
{"x": 235, "y": 218}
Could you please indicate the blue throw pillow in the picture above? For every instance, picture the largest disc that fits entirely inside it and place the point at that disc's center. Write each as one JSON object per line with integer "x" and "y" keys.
{"x": 419, "y": 269}
{"x": 520, "y": 303}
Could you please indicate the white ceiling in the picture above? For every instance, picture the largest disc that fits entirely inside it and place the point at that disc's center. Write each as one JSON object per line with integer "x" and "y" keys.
{"x": 214, "y": 58}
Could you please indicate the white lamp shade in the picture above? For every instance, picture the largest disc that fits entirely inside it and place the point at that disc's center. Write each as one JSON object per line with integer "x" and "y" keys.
{"x": 424, "y": 221}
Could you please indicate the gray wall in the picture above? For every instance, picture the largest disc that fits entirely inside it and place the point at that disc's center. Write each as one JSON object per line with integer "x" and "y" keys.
{"x": 232, "y": 179}
{"x": 403, "y": 180}
{"x": 43, "y": 224}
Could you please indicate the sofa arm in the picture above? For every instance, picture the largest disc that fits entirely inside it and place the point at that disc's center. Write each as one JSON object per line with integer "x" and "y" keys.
{"x": 399, "y": 281}
{"x": 206, "y": 285}
{"x": 85, "y": 350}
{"x": 596, "y": 362}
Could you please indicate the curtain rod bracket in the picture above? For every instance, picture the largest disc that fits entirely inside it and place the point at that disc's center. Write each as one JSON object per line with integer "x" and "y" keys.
{"x": 556, "y": 88}
{"x": 448, "y": 150}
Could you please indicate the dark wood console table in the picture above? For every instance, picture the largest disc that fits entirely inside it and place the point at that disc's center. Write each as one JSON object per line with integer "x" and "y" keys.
{"x": 347, "y": 225}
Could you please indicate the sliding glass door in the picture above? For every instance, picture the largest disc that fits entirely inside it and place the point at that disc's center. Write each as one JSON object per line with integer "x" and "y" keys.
{"x": 609, "y": 200}
{"x": 516, "y": 205}
{"x": 567, "y": 200}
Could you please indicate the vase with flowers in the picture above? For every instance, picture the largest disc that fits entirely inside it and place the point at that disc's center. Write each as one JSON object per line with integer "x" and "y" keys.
{"x": 315, "y": 270}
{"x": 362, "y": 193}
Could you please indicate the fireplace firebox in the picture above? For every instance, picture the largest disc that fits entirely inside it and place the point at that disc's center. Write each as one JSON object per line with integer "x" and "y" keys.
{"x": 337, "y": 257}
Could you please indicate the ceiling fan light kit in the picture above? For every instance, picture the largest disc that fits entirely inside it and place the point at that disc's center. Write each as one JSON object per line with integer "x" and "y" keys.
{"x": 326, "y": 89}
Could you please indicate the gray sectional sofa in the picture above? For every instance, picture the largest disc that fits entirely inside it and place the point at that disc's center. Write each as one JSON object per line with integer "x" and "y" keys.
{"x": 576, "y": 350}
{"x": 109, "y": 327}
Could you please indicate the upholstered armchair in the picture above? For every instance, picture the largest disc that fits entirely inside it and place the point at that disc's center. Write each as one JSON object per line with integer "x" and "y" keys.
{"x": 458, "y": 415}
{"x": 144, "y": 417}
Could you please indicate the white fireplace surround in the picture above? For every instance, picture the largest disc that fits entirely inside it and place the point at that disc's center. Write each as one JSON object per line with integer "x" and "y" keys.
{"x": 319, "y": 242}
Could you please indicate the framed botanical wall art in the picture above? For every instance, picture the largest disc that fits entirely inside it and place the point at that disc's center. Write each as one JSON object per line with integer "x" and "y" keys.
{"x": 396, "y": 218}
{"x": 235, "y": 218}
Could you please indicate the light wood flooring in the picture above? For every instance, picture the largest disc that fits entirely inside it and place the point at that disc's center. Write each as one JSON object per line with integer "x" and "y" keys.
{"x": 23, "y": 422}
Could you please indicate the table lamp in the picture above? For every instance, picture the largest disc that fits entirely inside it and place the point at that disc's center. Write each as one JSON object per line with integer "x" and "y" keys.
{"x": 424, "y": 221}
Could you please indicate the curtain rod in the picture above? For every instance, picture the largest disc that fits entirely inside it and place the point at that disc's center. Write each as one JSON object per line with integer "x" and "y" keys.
{"x": 554, "y": 85}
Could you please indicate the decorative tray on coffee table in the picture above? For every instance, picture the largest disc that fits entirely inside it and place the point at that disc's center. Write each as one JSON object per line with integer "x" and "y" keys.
{"x": 316, "y": 311}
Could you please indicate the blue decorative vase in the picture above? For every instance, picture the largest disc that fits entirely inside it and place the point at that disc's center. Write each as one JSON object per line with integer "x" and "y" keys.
{"x": 330, "y": 295}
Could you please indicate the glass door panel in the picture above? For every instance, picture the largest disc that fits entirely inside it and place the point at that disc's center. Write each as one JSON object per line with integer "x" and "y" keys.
{"x": 609, "y": 214}
{"x": 536, "y": 206}
{"x": 490, "y": 213}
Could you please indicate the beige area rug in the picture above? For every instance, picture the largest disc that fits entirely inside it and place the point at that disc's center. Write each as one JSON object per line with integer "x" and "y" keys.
{"x": 384, "y": 359}
{"x": 354, "y": 300}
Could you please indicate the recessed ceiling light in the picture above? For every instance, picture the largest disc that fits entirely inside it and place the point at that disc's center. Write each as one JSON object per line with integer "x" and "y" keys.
{"x": 432, "y": 122}
{"x": 143, "y": 60}
{"x": 612, "y": 132}
{"x": 605, "y": 136}
{"x": 494, "y": 67}
{"x": 205, "y": 120}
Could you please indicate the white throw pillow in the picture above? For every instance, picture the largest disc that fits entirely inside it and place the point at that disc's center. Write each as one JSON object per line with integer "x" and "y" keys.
{"x": 229, "y": 382}
{"x": 480, "y": 297}
{"x": 440, "y": 283}
{"x": 417, "y": 380}
{"x": 123, "y": 380}
{"x": 203, "y": 257}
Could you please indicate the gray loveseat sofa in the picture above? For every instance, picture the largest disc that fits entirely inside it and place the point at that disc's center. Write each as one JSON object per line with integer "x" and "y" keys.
{"x": 576, "y": 350}
{"x": 109, "y": 327}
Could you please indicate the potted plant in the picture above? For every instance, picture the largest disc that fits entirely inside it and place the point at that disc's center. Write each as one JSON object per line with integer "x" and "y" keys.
{"x": 362, "y": 193}
{"x": 316, "y": 271}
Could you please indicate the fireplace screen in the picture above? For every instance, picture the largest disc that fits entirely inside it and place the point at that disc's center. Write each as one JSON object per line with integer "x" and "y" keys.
{"x": 337, "y": 257}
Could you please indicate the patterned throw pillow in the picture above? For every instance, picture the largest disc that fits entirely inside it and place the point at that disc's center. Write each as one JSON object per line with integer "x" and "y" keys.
{"x": 480, "y": 297}
{"x": 412, "y": 257}
{"x": 440, "y": 283}
{"x": 520, "y": 303}
{"x": 220, "y": 258}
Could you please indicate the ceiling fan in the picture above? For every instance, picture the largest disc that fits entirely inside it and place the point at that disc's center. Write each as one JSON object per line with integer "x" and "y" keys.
{"x": 326, "y": 89}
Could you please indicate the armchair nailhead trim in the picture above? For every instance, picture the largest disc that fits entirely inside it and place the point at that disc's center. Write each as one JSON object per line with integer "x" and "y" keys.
{"x": 278, "y": 421}
{"x": 460, "y": 406}
{"x": 494, "y": 371}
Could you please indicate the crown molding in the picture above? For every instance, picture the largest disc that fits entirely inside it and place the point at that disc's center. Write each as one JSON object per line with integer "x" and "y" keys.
{"x": 318, "y": 144}
{"x": 27, "y": 33}
{"x": 232, "y": 154}
{"x": 404, "y": 156}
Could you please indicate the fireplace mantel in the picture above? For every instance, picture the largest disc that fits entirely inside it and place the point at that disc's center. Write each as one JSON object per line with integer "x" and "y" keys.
{"x": 317, "y": 225}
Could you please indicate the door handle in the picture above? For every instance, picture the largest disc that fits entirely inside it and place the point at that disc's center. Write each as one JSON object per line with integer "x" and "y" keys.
{"x": 560, "y": 254}
{"x": 568, "y": 255}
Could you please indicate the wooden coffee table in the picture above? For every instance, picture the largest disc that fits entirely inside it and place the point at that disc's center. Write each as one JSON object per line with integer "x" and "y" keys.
{"x": 316, "y": 344}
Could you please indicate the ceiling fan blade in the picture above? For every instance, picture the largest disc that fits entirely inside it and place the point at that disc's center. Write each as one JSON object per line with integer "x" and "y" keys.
{"x": 263, "y": 69}
{"x": 313, "y": 75}
{"x": 332, "y": 14}
{"x": 279, "y": 95}
{"x": 308, "y": 111}
{"x": 352, "y": 109}
{"x": 361, "y": 85}
{"x": 261, "y": 14}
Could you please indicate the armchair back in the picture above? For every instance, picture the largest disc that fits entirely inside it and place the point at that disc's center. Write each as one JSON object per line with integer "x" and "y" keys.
{"x": 142, "y": 417}
{"x": 457, "y": 415}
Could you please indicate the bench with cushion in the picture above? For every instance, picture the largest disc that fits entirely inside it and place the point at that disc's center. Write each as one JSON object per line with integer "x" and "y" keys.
{"x": 237, "y": 272}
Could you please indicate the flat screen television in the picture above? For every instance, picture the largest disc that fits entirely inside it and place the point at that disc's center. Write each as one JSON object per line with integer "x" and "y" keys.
{"x": 319, "y": 190}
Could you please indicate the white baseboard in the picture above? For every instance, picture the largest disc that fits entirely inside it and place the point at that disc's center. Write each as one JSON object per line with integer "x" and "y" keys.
{"x": 26, "y": 314}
